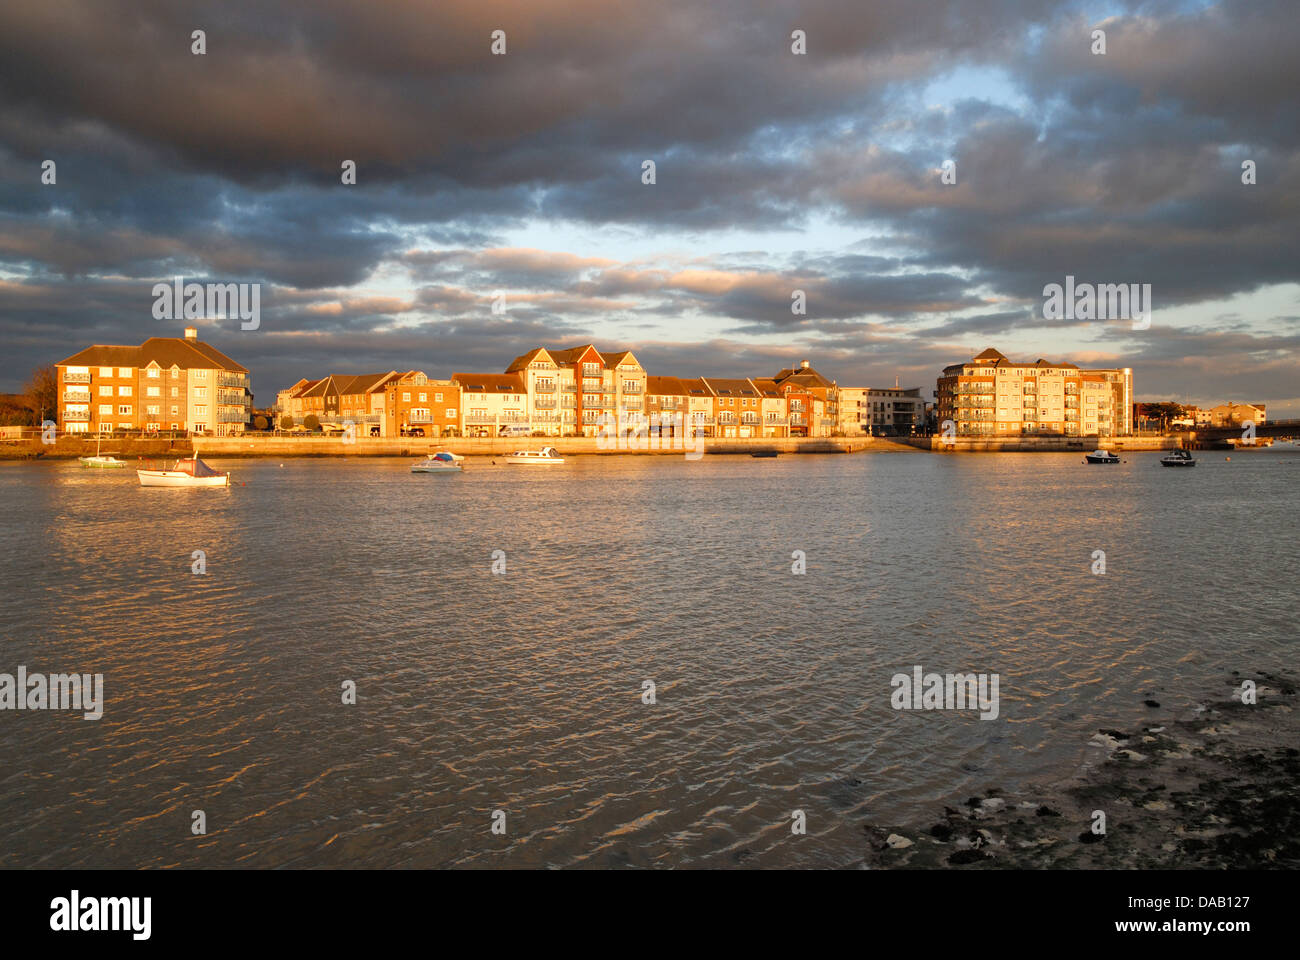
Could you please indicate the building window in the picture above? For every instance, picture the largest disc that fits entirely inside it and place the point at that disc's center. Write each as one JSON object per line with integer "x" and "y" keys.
{"x": 123, "y": 372}
{"x": 406, "y": 397}
{"x": 124, "y": 411}
{"x": 154, "y": 373}
{"x": 105, "y": 391}
{"x": 200, "y": 374}
{"x": 451, "y": 413}
{"x": 152, "y": 410}
{"x": 424, "y": 397}
{"x": 153, "y": 391}
{"x": 105, "y": 371}
{"x": 437, "y": 398}
{"x": 200, "y": 393}
{"x": 175, "y": 412}
{"x": 105, "y": 409}
{"x": 124, "y": 391}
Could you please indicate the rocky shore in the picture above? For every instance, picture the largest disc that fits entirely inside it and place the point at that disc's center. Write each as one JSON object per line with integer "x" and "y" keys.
{"x": 1216, "y": 789}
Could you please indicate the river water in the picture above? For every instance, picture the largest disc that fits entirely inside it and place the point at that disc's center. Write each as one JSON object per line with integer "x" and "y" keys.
{"x": 522, "y": 691}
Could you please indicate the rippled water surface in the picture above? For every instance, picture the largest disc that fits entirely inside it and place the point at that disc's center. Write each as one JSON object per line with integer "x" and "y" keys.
{"x": 522, "y": 692}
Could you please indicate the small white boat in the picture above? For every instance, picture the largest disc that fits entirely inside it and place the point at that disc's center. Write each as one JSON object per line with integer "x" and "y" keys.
{"x": 441, "y": 462}
{"x": 103, "y": 462}
{"x": 1101, "y": 456}
{"x": 1178, "y": 458}
{"x": 190, "y": 472}
{"x": 543, "y": 456}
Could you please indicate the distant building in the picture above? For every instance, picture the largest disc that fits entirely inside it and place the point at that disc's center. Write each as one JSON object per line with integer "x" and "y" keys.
{"x": 165, "y": 383}
{"x": 992, "y": 396}
{"x": 881, "y": 411}
{"x": 813, "y": 400}
{"x": 1235, "y": 414}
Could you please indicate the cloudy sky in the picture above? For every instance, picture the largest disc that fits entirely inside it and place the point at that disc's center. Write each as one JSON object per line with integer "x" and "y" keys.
{"x": 522, "y": 174}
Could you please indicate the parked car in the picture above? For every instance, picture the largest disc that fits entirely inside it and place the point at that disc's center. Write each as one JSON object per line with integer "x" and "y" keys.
{"x": 413, "y": 432}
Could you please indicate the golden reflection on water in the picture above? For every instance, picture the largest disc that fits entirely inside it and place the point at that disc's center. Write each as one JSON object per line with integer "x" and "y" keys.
{"x": 522, "y": 691}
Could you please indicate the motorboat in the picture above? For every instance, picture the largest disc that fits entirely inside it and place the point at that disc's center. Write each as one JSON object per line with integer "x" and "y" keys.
{"x": 546, "y": 455}
{"x": 103, "y": 462}
{"x": 190, "y": 472}
{"x": 440, "y": 462}
{"x": 1101, "y": 456}
{"x": 1178, "y": 458}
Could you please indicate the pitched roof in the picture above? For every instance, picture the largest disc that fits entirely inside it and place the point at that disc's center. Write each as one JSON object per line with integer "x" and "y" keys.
{"x": 766, "y": 387}
{"x": 697, "y": 386}
{"x": 521, "y": 362}
{"x": 165, "y": 351}
{"x": 568, "y": 357}
{"x": 664, "y": 387}
{"x": 359, "y": 383}
{"x": 490, "y": 382}
{"x": 989, "y": 354}
{"x": 803, "y": 375}
{"x": 731, "y": 387}
{"x": 614, "y": 359}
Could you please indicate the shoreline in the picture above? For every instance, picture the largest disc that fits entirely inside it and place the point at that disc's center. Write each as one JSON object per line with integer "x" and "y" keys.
{"x": 1216, "y": 790}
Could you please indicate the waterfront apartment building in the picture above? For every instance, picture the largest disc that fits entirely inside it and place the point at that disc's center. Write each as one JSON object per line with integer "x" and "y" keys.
{"x": 881, "y": 411}
{"x": 493, "y": 404}
{"x": 992, "y": 396}
{"x": 165, "y": 383}
{"x": 813, "y": 401}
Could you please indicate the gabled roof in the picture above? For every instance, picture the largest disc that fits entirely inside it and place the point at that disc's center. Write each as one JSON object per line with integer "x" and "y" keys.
{"x": 765, "y": 387}
{"x": 989, "y": 354}
{"x": 350, "y": 385}
{"x": 614, "y": 359}
{"x": 490, "y": 382}
{"x": 522, "y": 362}
{"x": 574, "y": 355}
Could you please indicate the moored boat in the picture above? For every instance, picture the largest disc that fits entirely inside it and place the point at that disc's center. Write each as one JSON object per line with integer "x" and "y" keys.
{"x": 440, "y": 462}
{"x": 190, "y": 472}
{"x": 1101, "y": 456}
{"x": 546, "y": 455}
{"x": 103, "y": 462}
{"x": 1178, "y": 458}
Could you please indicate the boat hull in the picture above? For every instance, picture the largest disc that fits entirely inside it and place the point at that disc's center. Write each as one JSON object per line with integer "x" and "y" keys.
{"x": 102, "y": 463}
{"x": 176, "y": 478}
{"x": 535, "y": 461}
{"x": 1178, "y": 463}
{"x": 442, "y": 468}
{"x": 1101, "y": 459}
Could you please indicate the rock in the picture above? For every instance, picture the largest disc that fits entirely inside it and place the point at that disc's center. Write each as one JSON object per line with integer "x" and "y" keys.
{"x": 941, "y": 832}
{"x": 1046, "y": 811}
{"x": 1089, "y": 837}
{"x": 898, "y": 842}
{"x": 1116, "y": 734}
{"x": 1151, "y": 703}
{"x": 966, "y": 856}
{"x": 992, "y": 805}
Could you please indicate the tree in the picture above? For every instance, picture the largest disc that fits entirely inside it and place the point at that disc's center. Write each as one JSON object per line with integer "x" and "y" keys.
{"x": 41, "y": 393}
{"x": 311, "y": 422}
{"x": 286, "y": 422}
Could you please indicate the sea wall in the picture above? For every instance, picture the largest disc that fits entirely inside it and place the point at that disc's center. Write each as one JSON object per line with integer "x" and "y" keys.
{"x": 272, "y": 446}
{"x": 1039, "y": 444}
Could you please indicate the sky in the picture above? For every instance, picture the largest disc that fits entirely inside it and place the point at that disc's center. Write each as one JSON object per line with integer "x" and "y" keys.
{"x": 517, "y": 179}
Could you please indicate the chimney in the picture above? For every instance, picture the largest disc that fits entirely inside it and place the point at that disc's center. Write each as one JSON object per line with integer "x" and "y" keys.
{"x": 191, "y": 333}
{"x": 803, "y": 364}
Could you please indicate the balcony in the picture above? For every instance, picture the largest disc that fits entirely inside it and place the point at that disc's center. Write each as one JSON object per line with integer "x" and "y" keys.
{"x": 544, "y": 388}
{"x": 232, "y": 416}
{"x": 77, "y": 415}
{"x": 76, "y": 378}
{"x": 230, "y": 380}
{"x": 541, "y": 404}
{"x": 76, "y": 396}
{"x": 630, "y": 388}
{"x": 568, "y": 388}
{"x": 798, "y": 420}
